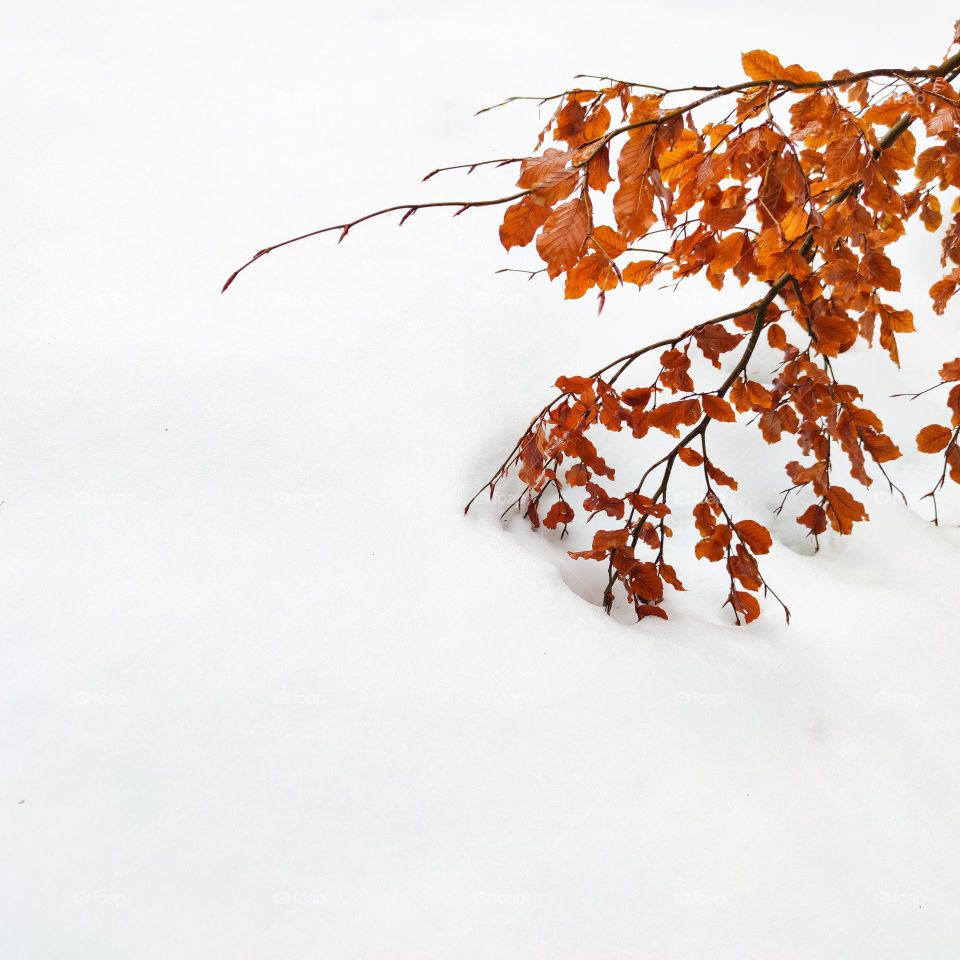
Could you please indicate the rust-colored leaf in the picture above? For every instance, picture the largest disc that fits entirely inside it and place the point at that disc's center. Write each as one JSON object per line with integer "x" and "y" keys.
{"x": 717, "y": 408}
{"x": 764, "y": 66}
{"x": 754, "y": 535}
{"x": 563, "y": 236}
{"x": 934, "y": 438}
{"x": 522, "y": 221}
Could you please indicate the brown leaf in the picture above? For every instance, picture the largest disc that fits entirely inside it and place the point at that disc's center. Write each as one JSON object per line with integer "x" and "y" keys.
{"x": 718, "y": 476}
{"x": 880, "y": 271}
{"x": 754, "y": 535}
{"x": 563, "y": 236}
{"x": 669, "y": 575}
{"x": 633, "y": 208}
{"x": 559, "y": 513}
{"x": 716, "y": 408}
{"x": 713, "y": 548}
{"x": 814, "y": 517}
{"x": 645, "y": 582}
{"x": 933, "y": 439}
{"x": 521, "y": 222}
{"x": 761, "y": 65}
{"x": 716, "y": 339}
{"x": 746, "y": 604}
{"x": 649, "y": 610}
{"x": 760, "y": 397}
{"x": 640, "y": 272}
{"x": 950, "y": 371}
{"x": 690, "y": 457}
{"x": 953, "y": 404}
{"x": 844, "y": 510}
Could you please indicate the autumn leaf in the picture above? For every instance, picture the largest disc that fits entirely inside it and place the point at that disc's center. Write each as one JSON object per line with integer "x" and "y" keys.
{"x": 563, "y": 236}
{"x": 746, "y": 604}
{"x": 716, "y": 340}
{"x": 880, "y": 271}
{"x": 559, "y": 513}
{"x": 690, "y": 457}
{"x": 582, "y": 386}
{"x": 640, "y": 272}
{"x": 649, "y": 610}
{"x": 953, "y": 404}
{"x": 608, "y": 241}
{"x": 930, "y": 215}
{"x": 522, "y": 221}
{"x": 815, "y": 518}
{"x": 714, "y": 547}
{"x": 633, "y": 208}
{"x": 717, "y": 408}
{"x": 763, "y": 66}
{"x": 760, "y": 397}
{"x": 950, "y": 371}
{"x": 718, "y": 476}
{"x": 933, "y": 439}
{"x": 843, "y": 510}
{"x": 593, "y": 270}
{"x": 669, "y": 575}
{"x": 754, "y": 535}
{"x": 645, "y": 581}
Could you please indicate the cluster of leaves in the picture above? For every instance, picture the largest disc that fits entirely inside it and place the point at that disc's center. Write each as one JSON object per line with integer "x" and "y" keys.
{"x": 800, "y": 188}
{"x": 936, "y": 438}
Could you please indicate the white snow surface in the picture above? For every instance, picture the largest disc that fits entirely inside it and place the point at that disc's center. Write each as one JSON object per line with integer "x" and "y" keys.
{"x": 267, "y": 693}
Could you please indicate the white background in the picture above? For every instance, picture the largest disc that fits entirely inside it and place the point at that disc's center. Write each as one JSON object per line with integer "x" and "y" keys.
{"x": 265, "y": 691}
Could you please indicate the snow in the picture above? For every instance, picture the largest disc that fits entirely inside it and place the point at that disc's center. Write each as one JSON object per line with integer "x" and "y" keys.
{"x": 267, "y": 692}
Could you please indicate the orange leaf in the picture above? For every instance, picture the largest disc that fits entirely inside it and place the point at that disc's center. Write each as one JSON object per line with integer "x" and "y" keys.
{"x": 645, "y": 581}
{"x": 557, "y": 514}
{"x": 761, "y": 65}
{"x": 608, "y": 241}
{"x": 563, "y": 236}
{"x": 670, "y": 576}
{"x": 584, "y": 275}
{"x": 814, "y": 517}
{"x": 714, "y": 547}
{"x": 844, "y": 510}
{"x": 754, "y": 535}
{"x": 633, "y": 208}
{"x": 760, "y": 397}
{"x": 933, "y": 439}
{"x": 640, "y": 272}
{"x": 953, "y": 404}
{"x": 649, "y": 610}
{"x": 745, "y": 604}
{"x": 716, "y": 408}
{"x": 951, "y": 370}
{"x": 718, "y": 476}
{"x": 522, "y": 221}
